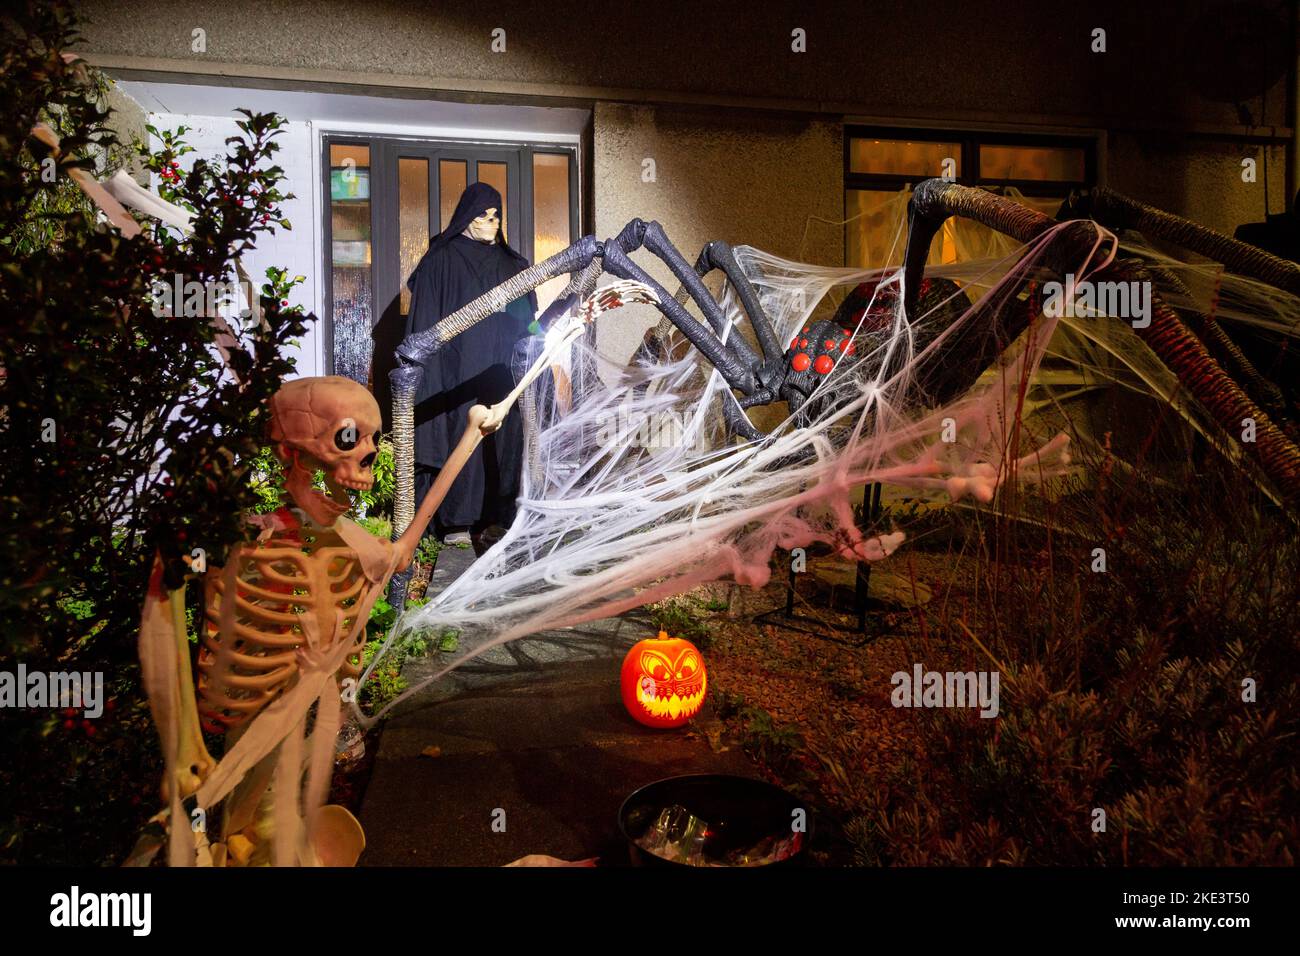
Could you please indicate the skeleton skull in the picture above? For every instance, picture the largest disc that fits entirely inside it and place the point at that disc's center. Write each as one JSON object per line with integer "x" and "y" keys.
{"x": 329, "y": 423}
{"x": 485, "y": 227}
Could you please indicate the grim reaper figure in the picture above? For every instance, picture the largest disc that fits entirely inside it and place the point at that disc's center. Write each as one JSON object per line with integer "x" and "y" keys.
{"x": 465, "y": 260}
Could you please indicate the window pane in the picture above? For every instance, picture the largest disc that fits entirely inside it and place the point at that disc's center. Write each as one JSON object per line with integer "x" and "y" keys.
{"x": 412, "y": 219}
{"x": 876, "y": 230}
{"x": 451, "y": 183}
{"x": 494, "y": 174}
{"x": 900, "y": 157}
{"x": 1054, "y": 163}
{"x": 350, "y": 259}
{"x": 550, "y": 217}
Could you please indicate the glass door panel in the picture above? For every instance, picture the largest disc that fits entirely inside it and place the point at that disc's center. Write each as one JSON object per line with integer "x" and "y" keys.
{"x": 496, "y": 176}
{"x": 452, "y": 180}
{"x": 350, "y": 258}
{"x": 552, "y": 220}
{"x": 412, "y": 218}
{"x": 408, "y": 190}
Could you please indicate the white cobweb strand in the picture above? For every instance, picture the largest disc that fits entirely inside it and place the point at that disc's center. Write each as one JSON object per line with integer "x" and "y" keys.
{"x": 610, "y": 520}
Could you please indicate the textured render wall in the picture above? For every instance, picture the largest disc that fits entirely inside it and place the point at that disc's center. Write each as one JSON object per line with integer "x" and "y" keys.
{"x": 293, "y": 250}
{"x": 128, "y": 120}
{"x": 1199, "y": 178}
{"x": 1000, "y": 58}
{"x": 745, "y": 177}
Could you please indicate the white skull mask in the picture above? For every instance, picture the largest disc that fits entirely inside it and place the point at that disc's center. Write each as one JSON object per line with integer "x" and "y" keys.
{"x": 485, "y": 227}
{"x": 329, "y": 423}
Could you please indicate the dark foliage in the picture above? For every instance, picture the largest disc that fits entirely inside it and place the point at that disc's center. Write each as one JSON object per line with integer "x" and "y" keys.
{"x": 1127, "y": 690}
{"x": 120, "y": 435}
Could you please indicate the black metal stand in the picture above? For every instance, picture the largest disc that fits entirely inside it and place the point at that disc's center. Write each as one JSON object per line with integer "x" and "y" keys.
{"x": 804, "y": 624}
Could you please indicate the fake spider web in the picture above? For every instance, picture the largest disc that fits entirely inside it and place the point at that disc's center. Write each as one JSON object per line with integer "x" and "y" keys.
{"x": 633, "y": 491}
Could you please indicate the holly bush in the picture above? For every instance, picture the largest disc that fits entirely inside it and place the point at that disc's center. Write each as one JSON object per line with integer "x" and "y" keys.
{"x": 123, "y": 434}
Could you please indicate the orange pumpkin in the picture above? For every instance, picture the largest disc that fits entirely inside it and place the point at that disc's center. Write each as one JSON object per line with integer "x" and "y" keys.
{"x": 663, "y": 681}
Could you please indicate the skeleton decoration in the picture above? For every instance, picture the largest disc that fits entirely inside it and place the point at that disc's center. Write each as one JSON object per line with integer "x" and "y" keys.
{"x": 284, "y": 628}
{"x": 284, "y": 624}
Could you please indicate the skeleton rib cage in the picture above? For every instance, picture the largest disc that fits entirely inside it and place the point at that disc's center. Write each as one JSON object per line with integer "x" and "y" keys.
{"x": 294, "y": 585}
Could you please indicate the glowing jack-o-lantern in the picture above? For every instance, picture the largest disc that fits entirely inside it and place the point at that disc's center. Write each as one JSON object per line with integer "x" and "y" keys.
{"x": 663, "y": 681}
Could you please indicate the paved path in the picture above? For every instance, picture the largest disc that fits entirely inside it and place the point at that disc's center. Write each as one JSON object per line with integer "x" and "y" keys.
{"x": 534, "y": 740}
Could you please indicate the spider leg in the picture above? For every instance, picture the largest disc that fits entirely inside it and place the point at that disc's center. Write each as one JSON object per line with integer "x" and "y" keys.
{"x": 736, "y": 418}
{"x": 1174, "y": 344}
{"x": 718, "y": 255}
{"x": 735, "y": 359}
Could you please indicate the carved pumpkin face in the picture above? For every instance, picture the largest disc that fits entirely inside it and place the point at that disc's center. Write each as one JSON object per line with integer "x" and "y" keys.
{"x": 663, "y": 681}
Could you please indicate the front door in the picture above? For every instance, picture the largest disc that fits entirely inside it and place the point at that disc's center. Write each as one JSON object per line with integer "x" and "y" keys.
{"x": 388, "y": 197}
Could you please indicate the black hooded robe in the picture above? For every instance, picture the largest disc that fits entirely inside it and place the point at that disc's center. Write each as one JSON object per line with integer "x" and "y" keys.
{"x": 473, "y": 368}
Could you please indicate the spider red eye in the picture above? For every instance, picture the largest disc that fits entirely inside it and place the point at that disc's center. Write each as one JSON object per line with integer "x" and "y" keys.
{"x": 800, "y": 362}
{"x": 829, "y": 344}
{"x": 803, "y": 343}
{"x": 794, "y": 342}
{"x": 824, "y": 364}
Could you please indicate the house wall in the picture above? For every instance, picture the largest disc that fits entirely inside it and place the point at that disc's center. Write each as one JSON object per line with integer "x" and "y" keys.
{"x": 1200, "y": 177}
{"x": 746, "y": 132}
{"x": 756, "y": 180}
{"x": 1167, "y": 63}
{"x": 294, "y": 249}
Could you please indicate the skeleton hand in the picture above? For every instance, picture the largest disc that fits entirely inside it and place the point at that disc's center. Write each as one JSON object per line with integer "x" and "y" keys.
{"x": 404, "y": 548}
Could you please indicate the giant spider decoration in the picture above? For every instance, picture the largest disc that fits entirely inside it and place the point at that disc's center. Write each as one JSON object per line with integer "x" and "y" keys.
{"x": 794, "y": 373}
{"x": 780, "y": 373}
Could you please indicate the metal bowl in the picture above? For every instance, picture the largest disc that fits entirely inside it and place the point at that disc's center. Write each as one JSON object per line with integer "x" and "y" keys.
{"x": 741, "y": 813}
